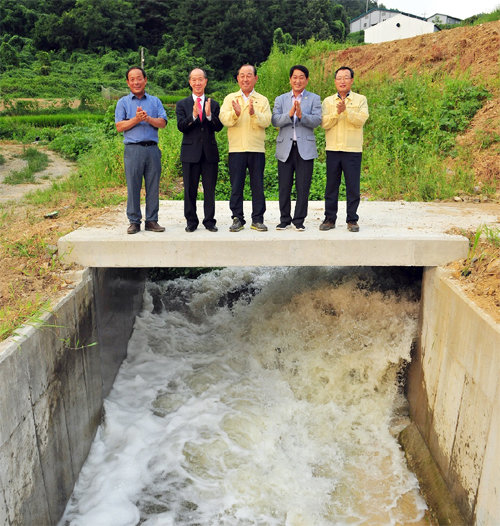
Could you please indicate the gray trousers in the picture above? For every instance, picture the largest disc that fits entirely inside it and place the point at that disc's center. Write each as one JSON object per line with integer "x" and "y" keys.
{"x": 142, "y": 161}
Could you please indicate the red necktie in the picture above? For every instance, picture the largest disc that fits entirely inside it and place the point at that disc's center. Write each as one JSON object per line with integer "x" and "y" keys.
{"x": 198, "y": 105}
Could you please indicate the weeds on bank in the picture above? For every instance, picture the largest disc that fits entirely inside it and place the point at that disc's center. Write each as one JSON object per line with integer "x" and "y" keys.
{"x": 34, "y": 247}
{"x": 477, "y": 250}
{"x": 411, "y": 133}
{"x": 20, "y": 312}
{"x": 31, "y": 313}
{"x": 37, "y": 162}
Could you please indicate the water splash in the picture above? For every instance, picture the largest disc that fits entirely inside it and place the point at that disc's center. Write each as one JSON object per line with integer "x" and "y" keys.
{"x": 258, "y": 397}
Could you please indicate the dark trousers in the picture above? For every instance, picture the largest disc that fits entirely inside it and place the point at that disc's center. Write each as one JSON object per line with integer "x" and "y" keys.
{"x": 350, "y": 164}
{"x": 303, "y": 176}
{"x": 191, "y": 173}
{"x": 238, "y": 162}
{"x": 142, "y": 161}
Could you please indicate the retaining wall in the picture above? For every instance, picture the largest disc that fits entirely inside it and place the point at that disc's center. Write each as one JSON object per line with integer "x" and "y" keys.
{"x": 53, "y": 379}
{"x": 454, "y": 395}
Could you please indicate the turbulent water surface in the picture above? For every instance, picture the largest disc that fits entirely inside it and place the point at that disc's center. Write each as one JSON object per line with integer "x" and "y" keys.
{"x": 257, "y": 397}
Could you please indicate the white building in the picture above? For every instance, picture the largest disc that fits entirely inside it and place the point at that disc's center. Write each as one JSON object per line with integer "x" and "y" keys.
{"x": 377, "y": 16}
{"x": 398, "y": 27}
{"x": 439, "y": 18}
{"x": 370, "y": 18}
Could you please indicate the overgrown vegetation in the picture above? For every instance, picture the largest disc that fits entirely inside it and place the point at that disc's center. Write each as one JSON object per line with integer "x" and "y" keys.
{"x": 484, "y": 244}
{"x": 407, "y": 145}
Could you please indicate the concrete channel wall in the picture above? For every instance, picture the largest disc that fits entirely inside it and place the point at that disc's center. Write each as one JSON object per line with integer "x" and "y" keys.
{"x": 53, "y": 379}
{"x": 454, "y": 395}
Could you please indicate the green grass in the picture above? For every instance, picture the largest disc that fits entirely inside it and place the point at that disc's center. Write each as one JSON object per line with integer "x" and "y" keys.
{"x": 21, "y": 312}
{"x": 407, "y": 146}
{"x": 492, "y": 237}
{"x": 172, "y": 99}
{"x": 52, "y": 120}
{"x": 2, "y": 159}
{"x": 37, "y": 162}
{"x": 22, "y": 176}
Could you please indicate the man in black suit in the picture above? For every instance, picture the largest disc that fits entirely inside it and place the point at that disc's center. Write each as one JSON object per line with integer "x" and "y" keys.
{"x": 198, "y": 120}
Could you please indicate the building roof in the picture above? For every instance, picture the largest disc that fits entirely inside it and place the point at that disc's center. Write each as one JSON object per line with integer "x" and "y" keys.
{"x": 442, "y": 14}
{"x": 387, "y": 10}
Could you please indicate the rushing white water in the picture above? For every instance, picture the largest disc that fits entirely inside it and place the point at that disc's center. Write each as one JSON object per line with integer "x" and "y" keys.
{"x": 256, "y": 397}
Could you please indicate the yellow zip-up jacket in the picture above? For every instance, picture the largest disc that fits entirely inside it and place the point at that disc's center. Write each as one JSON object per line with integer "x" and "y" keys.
{"x": 344, "y": 132}
{"x": 246, "y": 133}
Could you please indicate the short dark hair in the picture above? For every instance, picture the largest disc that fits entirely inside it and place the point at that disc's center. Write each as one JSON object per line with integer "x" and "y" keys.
{"x": 346, "y": 68}
{"x": 136, "y": 67}
{"x": 300, "y": 68}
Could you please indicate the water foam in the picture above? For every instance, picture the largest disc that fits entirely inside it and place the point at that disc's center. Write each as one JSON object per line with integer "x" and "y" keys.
{"x": 256, "y": 397}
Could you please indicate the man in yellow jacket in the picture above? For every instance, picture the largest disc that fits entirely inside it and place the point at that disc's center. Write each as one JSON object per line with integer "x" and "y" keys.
{"x": 344, "y": 115}
{"x": 246, "y": 114}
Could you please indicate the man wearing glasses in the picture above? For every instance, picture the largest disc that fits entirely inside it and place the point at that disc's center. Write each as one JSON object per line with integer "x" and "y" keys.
{"x": 344, "y": 115}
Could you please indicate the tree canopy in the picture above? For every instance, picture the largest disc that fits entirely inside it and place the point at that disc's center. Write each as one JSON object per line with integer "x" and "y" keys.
{"x": 219, "y": 35}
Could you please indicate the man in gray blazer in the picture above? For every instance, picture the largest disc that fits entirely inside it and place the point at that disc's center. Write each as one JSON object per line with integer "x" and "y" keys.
{"x": 296, "y": 114}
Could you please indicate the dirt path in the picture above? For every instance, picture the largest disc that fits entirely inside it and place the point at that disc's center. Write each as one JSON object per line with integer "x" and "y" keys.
{"x": 58, "y": 168}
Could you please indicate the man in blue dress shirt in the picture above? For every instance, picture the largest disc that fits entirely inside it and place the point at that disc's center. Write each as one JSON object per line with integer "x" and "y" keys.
{"x": 139, "y": 115}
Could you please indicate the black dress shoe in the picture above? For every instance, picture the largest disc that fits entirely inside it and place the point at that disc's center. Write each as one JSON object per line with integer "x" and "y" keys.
{"x": 153, "y": 226}
{"x": 190, "y": 228}
{"x": 212, "y": 228}
{"x": 133, "y": 228}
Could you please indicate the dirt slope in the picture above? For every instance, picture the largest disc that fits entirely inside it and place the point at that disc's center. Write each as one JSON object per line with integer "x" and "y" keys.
{"x": 453, "y": 50}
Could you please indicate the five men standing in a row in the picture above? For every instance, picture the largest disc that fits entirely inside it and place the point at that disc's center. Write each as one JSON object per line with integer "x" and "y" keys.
{"x": 246, "y": 114}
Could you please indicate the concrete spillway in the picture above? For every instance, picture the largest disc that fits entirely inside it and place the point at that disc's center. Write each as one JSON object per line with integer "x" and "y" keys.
{"x": 392, "y": 233}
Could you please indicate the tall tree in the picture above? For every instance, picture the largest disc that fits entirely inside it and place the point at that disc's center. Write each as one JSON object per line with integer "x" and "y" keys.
{"x": 155, "y": 20}
{"x": 16, "y": 18}
{"x": 90, "y": 25}
{"x": 354, "y": 8}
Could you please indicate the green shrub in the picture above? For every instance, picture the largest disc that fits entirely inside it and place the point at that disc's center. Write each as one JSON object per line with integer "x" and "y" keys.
{"x": 72, "y": 141}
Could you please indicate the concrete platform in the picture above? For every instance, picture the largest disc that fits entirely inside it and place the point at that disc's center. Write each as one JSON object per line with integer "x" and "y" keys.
{"x": 391, "y": 234}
